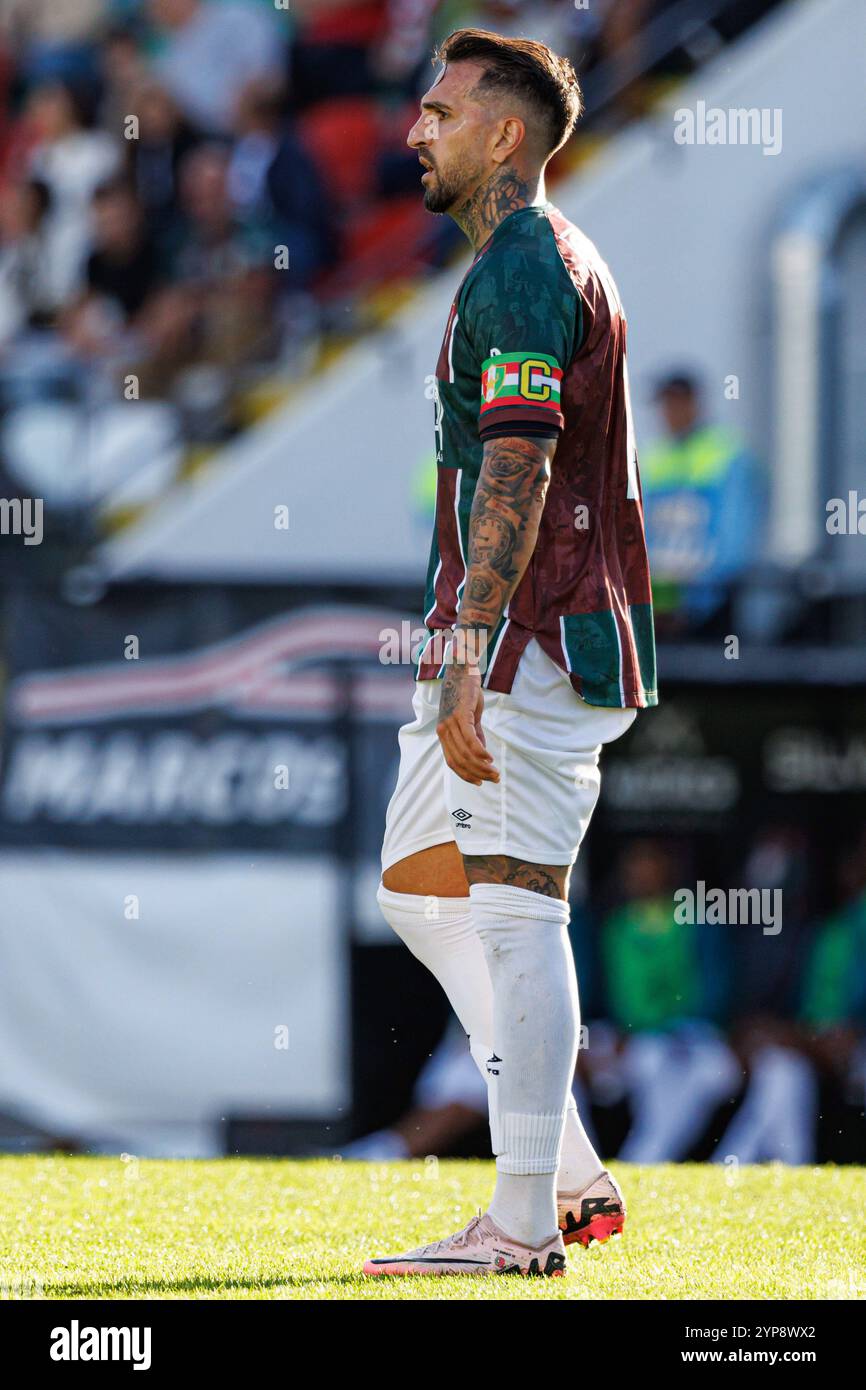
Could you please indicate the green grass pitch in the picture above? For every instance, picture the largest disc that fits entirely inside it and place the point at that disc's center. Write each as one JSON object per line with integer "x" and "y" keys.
{"x": 238, "y": 1228}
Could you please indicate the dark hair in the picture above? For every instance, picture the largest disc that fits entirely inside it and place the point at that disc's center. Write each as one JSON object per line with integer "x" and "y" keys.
{"x": 81, "y": 93}
{"x": 678, "y": 383}
{"x": 41, "y": 192}
{"x": 525, "y": 68}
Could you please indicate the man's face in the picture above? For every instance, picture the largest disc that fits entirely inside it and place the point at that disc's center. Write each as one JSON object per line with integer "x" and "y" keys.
{"x": 645, "y": 871}
{"x": 453, "y": 137}
{"x": 116, "y": 220}
{"x": 203, "y": 187}
{"x": 679, "y": 409}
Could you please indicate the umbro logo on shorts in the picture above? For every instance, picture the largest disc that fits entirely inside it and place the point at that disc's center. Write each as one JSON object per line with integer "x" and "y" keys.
{"x": 461, "y": 818}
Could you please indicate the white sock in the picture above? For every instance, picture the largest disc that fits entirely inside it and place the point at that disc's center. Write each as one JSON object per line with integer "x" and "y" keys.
{"x": 535, "y": 1025}
{"x": 579, "y": 1164}
{"x": 440, "y": 933}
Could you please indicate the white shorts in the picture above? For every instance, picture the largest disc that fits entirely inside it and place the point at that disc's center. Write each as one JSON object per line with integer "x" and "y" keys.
{"x": 545, "y": 742}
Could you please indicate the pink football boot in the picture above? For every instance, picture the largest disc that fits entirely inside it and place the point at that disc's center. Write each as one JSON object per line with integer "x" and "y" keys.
{"x": 480, "y": 1248}
{"x": 596, "y": 1213}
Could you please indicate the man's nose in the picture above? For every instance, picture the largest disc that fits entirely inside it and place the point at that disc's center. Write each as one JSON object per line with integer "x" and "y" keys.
{"x": 415, "y": 138}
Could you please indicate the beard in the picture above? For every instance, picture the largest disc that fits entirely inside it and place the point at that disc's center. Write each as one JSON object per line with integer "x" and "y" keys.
{"x": 442, "y": 194}
{"x": 451, "y": 186}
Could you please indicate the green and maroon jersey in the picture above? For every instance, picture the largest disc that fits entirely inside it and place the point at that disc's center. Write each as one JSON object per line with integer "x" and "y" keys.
{"x": 535, "y": 345}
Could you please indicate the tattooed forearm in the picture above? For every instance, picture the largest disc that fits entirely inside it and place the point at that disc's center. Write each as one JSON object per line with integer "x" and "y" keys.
{"x": 453, "y": 686}
{"x": 503, "y": 526}
{"x": 502, "y": 193}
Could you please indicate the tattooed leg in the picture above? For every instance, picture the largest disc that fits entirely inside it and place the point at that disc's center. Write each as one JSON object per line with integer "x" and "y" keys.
{"x": 550, "y": 880}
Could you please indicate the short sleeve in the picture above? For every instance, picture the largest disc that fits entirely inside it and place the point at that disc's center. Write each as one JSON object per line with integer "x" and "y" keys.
{"x": 523, "y": 314}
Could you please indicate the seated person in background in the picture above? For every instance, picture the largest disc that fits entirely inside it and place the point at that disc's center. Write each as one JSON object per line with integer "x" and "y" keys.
{"x": 703, "y": 508}
{"x": 776, "y": 1119}
{"x": 128, "y": 317}
{"x": 834, "y": 1000}
{"x": 122, "y": 272}
{"x": 224, "y": 266}
{"x": 272, "y": 177}
{"x": 26, "y": 291}
{"x": 155, "y": 158}
{"x": 663, "y": 981}
{"x": 158, "y": 310}
{"x": 72, "y": 158}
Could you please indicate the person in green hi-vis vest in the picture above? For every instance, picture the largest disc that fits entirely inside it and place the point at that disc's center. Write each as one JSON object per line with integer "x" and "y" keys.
{"x": 425, "y": 481}
{"x": 703, "y": 501}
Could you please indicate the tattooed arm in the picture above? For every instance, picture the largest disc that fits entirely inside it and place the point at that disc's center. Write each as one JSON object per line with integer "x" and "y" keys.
{"x": 503, "y": 528}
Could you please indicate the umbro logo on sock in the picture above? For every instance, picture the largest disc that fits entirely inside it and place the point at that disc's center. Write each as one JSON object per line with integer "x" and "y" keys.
{"x": 494, "y": 1070}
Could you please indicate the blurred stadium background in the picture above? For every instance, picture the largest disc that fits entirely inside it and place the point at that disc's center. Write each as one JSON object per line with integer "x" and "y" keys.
{"x": 220, "y": 305}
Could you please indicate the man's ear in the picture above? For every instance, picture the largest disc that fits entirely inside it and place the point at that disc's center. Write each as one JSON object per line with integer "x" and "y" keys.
{"x": 511, "y": 138}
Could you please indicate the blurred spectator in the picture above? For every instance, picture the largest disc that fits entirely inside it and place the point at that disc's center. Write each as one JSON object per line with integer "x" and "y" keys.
{"x": 833, "y": 1009}
{"x": 123, "y": 271}
{"x": 67, "y": 435}
{"x": 123, "y": 69}
{"x": 218, "y": 248}
{"x": 769, "y": 966}
{"x": 776, "y": 1119}
{"x": 664, "y": 982}
{"x": 835, "y": 984}
{"x": 702, "y": 501}
{"x": 72, "y": 159}
{"x": 218, "y": 315}
{"x": 211, "y": 51}
{"x": 26, "y": 290}
{"x": 658, "y": 971}
{"x": 165, "y": 138}
{"x": 272, "y": 178}
{"x": 54, "y": 40}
